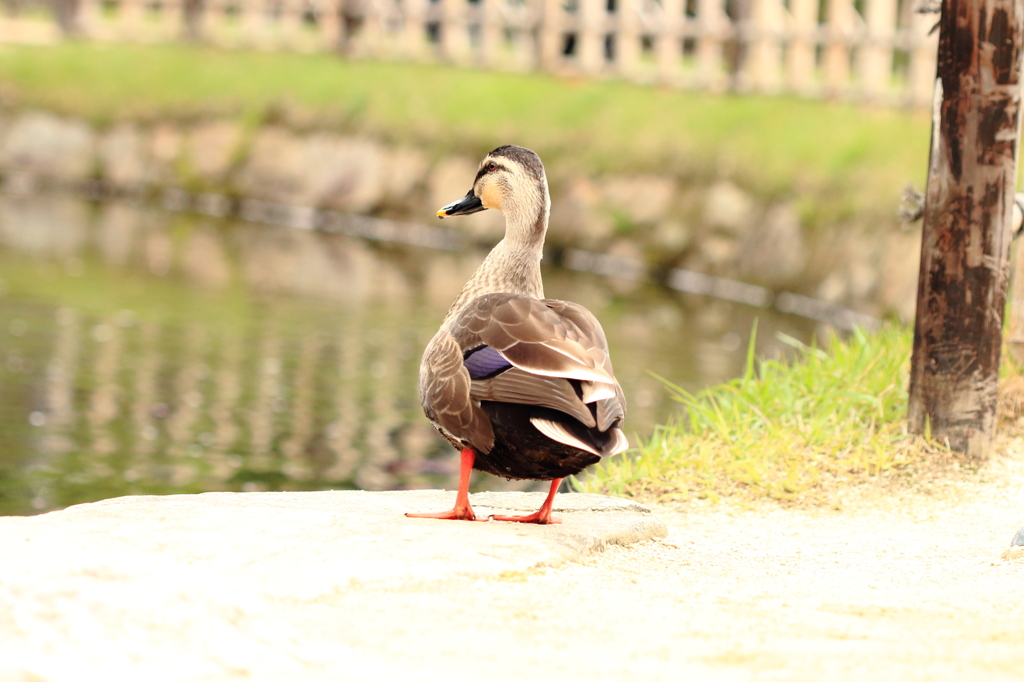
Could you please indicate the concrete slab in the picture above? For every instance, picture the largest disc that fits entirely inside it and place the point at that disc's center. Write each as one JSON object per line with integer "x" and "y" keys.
{"x": 194, "y": 586}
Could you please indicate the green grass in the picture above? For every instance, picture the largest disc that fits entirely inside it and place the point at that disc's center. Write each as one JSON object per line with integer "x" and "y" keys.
{"x": 787, "y": 430}
{"x": 851, "y": 158}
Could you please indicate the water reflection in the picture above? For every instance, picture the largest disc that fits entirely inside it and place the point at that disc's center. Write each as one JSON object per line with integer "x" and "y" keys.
{"x": 151, "y": 352}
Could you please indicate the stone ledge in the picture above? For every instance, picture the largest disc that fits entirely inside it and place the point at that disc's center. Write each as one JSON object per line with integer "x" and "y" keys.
{"x": 310, "y": 542}
{"x": 199, "y": 586}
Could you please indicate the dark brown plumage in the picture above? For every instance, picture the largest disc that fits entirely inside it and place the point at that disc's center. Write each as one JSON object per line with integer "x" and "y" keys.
{"x": 522, "y": 385}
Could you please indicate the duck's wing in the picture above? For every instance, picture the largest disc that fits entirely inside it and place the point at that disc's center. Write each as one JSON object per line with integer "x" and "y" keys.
{"x": 522, "y": 388}
{"x": 445, "y": 394}
{"x": 517, "y": 349}
{"x": 610, "y": 409}
{"x": 524, "y": 350}
{"x": 547, "y": 338}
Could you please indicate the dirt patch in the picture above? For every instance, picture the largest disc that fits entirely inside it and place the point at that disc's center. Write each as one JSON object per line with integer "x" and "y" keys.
{"x": 892, "y": 582}
{"x": 901, "y": 582}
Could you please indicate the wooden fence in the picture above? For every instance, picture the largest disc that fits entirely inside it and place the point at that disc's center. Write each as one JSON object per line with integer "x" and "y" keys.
{"x": 868, "y": 50}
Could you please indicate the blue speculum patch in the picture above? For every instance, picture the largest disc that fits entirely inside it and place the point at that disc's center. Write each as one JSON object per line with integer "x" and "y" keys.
{"x": 484, "y": 362}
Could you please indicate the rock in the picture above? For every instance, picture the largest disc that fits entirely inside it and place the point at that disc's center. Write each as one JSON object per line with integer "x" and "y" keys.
{"x": 55, "y": 228}
{"x": 307, "y": 263}
{"x": 275, "y": 167}
{"x": 117, "y": 230}
{"x": 641, "y": 199}
{"x": 576, "y": 216}
{"x": 898, "y": 273}
{"x": 323, "y": 170}
{"x": 225, "y": 585}
{"x": 158, "y": 251}
{"x": 1018, "y": 538}
{"x": 833, "y": 288}
{"x": 166, "y": 145}
{"x": 672, "y": 235}
{"x": 204, "y": 260}
{"x": 1014, "y": 553}
{"x": 628, "y": 250}
{"x": 404, "y": 170}
{"x": 444, "y": 275}
{"x": 346, "y": 173}
{"x": 212, "y": 147}
{"x": 851, "y": 258}
{"x": 774, "y": 254}
{"x": 728, "y": 208}
{"x": 46, "y": 146}
{"x": 719, "y": 251}
{"x": 123, "y": 156}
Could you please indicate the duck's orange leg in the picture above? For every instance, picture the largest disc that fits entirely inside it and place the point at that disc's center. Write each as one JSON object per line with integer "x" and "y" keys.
{"x": 462, "y": 510}
{"x": 542, "y": 515}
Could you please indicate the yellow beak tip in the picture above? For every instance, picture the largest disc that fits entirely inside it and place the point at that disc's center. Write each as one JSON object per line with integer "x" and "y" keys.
{"x": 441, "y": 214}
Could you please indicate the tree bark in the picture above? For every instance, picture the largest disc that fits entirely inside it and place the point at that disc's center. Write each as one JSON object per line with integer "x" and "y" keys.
{"x": 965, "y": 242}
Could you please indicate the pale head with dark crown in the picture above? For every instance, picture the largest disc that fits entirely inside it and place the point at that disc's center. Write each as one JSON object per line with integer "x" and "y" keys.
{"x": 510, "y": 179}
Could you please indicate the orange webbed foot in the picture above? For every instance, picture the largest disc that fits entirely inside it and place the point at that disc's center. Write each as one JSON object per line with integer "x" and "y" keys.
{"x": 537, "y": 517}
{"x": 455, "y": 514}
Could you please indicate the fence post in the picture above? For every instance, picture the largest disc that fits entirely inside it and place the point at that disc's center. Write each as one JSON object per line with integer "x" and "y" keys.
{"x": 89, "y": 18}
{"x": 414, "y": 30}
{"x": 329, "y": 26}
{"x": 626, "y": 49}
{"x": 840, "y": 18}
{"x": 526, "y": 48}
{"x": 761, "y": 68}
{"x": 968, "y": 210}
{"x": 669, "y": 45}
{"x": 874, "y": 63}
{"x": 130, "y": 16}
{"x": 550, "y": 39}
{"x": 66, "y": 14}
{"x": 290, "y": 24}
{"x": 213, "y": 22}
{"x": 590, "y": 35}
{"x": 251, "y": 22}
{"x": 454, "y": 32}
{"x": 491, "y": 44}
{"x": 803, "y": 24}
{"x": 170, "y": 20}
{"x": 713, "y": 24}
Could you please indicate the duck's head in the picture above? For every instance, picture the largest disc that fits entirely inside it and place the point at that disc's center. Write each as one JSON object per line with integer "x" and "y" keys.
{"x": 510, "y": 179}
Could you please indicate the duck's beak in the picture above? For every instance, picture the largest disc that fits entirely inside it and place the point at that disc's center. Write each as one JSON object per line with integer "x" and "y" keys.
{"x": 464, "y": 206}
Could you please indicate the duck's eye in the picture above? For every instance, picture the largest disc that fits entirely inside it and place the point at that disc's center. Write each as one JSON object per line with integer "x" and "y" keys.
{"x": 492, "y": 166}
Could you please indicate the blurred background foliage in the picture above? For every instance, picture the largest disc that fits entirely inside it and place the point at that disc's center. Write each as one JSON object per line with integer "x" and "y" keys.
{"x": 859, "y": 156}
{"x": 148, "y": 348}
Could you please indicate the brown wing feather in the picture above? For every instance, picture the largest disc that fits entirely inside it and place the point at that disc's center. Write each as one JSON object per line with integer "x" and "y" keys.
{"x": 547, "y": 342}
{"x": 445, "y": 394}
{"x": 522, "y": 388}
{"x": 535, "y": 337}
{"x": 544, "y": 338}
{"x": 590, "y": 334}
{"x": 610, "y": 411}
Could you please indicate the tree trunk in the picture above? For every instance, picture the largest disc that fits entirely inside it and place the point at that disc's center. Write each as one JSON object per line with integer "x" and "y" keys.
{"x": 965, "y": 242}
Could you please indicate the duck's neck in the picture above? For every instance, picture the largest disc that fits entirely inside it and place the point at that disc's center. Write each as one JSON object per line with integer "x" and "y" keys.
{"x": 513, "y": 265}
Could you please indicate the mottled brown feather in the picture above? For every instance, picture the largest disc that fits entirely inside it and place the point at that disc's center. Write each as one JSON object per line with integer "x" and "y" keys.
{"x": 522, "y": 388}
{"x": 445, "y": 395}
{"x": 547, "y": 341}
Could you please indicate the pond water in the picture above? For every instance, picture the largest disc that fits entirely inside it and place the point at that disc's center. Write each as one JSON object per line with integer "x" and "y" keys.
{"x": 150, "y": 352}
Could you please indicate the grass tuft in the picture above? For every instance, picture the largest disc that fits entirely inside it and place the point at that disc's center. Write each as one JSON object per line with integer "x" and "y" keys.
{"x": 786, "y": 429}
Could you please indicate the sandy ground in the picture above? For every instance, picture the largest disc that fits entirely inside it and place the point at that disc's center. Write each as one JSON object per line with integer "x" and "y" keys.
{"x": 909, "y": 585}
{"x": 883, "y": 585}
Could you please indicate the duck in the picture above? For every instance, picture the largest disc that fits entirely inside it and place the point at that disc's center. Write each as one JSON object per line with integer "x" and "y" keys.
{"x": 521, "y": 385}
